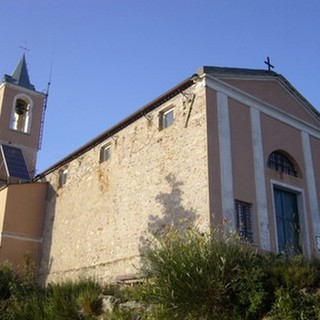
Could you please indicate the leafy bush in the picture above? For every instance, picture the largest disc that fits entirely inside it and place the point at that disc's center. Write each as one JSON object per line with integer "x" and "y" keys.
{"x": 31, "y": 307}
{"x": 121, "y": 314}
{"x": 198, "y": 276}
{"x": 190, "y": 276}
{"x": 24, "y": 300}
{"x": 293, "y": 305}
{"x": 111, "y": 289}
{"x": 294, "y": 272}
{"x": 74, "y": 300}
{"x": 195, "y": 276}
{"x": 17, "y": 293}
{"x": 7, "y": 279}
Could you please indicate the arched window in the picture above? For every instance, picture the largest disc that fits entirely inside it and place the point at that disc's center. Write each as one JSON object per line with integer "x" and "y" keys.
{"x": 280, "y": 162}
{"x": 21, "y": 115}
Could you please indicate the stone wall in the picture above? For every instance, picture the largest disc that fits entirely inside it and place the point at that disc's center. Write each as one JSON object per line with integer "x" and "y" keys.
{"x": 98, "y": 222}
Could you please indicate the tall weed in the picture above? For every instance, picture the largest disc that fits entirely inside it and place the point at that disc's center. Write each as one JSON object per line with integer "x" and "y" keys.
{"x": 74, "y": 300}
{"x": 196, "y": 276}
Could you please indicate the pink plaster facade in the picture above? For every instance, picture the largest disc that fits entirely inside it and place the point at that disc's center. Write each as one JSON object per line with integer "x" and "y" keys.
{"x": 286, "y": 124}
{"x": 21, "y": 222}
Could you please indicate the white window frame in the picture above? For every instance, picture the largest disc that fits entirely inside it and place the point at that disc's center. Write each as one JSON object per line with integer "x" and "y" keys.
{"x": 105, "y": 153}
{"x": 63, "y": 175}
{"x": 163, "y": 120}
{"x": 304, "y": 236}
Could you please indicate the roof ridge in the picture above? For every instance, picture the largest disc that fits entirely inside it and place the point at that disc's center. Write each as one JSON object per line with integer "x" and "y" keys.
{"x": 232, "y": 70}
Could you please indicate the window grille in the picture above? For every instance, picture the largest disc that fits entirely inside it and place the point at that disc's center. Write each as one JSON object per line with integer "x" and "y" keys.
{"x": 243, "y": 220}
{"x": 280, "y": 162}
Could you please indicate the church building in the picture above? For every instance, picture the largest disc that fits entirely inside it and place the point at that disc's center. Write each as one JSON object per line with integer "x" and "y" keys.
{"x": 229, "y": 147}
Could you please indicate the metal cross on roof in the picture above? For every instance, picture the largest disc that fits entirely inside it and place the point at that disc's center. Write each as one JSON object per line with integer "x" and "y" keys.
{"x": 268, "y": 63}
{"x": 24, "y": 48}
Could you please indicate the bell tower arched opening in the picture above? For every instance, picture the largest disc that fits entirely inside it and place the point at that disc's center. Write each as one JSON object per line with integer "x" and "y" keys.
{"x": 21, "y": 114}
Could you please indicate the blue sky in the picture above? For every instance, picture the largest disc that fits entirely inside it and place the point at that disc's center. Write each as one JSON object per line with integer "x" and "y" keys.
{"x": 111, "y": 57}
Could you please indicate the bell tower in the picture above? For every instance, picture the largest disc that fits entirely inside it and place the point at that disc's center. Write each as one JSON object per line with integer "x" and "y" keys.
{"x": 21, "y": 117}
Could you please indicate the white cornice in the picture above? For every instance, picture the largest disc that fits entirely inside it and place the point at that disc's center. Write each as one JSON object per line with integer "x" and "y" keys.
{"x": 266, "y": 108}
{"x": 20, "y": 237}
{"x": 22, "y": 89}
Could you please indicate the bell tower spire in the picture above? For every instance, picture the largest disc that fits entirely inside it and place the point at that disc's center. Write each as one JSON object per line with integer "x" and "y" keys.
{"x": 20, "y": 76}
{"x": 21, "y": 116}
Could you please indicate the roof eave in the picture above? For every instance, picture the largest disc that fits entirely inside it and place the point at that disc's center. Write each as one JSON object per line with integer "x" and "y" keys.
{"x": 122, "y": 124}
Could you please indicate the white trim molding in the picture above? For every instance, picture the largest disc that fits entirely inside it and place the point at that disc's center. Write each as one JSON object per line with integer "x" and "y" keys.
{"x": 227, "y": 192}
{"x": 19, "y": 237}
{"x": 312, "y": 187}
{"x": 300, "y": 193}
{"x": 260, "y": 182}
{"x": 266, "y": 108}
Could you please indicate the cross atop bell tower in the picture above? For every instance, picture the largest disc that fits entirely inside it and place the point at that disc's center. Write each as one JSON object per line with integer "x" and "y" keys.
{"x": 21, "y": 115}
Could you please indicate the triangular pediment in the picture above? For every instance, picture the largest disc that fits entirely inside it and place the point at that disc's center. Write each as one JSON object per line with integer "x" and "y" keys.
{"x": 277, "y": 94}
{"x": 268, "y": 87}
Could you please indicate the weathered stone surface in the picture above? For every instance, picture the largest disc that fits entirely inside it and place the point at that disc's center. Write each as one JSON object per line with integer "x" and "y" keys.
{"x": 96, "y": 227}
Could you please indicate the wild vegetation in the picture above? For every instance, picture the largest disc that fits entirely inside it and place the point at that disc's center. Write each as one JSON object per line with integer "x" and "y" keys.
{"x": 200, "y": 276}
{"x": 188, "y": 276}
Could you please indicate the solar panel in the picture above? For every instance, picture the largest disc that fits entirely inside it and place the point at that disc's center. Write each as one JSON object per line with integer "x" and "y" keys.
{"x": 14, "y": 162}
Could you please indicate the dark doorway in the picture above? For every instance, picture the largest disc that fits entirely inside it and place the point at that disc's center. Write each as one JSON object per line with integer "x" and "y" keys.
{"x": 287, "y": 221}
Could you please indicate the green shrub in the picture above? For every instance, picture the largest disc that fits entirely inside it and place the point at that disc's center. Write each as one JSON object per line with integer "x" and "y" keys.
{"x": 195, "y": 276}
{"x": 74, "y": 300}
{"x": 31, "y": 307}
{"x": 201, "y": 276}
{"x": 7, "y": 279}
{"x": 111, "y": 289}
{"x": 190, "y": 276}
{"x": 295, "y": 305}
{"x": 90, "y": 303}
{"x": 294, "y": 272}
{"x": 251, "y": 299}
{"x": 17, "y": 294}
{"x": 121, "y": 314}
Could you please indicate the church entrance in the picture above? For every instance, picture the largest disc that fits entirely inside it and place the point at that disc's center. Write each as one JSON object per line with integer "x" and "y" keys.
{"x": 287, "y": 221}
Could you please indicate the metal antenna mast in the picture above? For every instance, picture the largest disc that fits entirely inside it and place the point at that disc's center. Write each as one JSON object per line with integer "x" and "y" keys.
{"x": 45, "y": 103}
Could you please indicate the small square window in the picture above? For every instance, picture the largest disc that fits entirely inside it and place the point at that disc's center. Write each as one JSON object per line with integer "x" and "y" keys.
{"x": 243, "y": 220}
{"x": 63, "y": 173}
{"x": 105, "y": 153}
{"x": 166, "y": 118}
